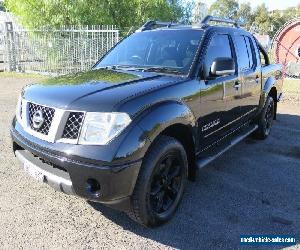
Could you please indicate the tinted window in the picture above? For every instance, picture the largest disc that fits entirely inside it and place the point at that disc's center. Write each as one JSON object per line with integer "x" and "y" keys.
{"x": 262, "y": 58}
{"x": 174, "y": 49}
{"x": 250, "y": 49}
{"x": 243, "y": 58}
{"x": 219, "y": 46}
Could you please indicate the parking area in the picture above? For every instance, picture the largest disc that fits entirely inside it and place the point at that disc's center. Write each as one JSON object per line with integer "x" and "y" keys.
{"x": 252, "y": 189}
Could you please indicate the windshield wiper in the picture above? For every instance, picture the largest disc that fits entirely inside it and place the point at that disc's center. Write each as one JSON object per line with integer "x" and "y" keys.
{"x": 145, "y": 69}
{"x": 163, "y": 70}
{"x": 123, "y": 67}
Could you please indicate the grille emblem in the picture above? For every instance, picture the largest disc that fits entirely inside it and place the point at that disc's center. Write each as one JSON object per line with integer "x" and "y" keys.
{"x": 38, "y": 119}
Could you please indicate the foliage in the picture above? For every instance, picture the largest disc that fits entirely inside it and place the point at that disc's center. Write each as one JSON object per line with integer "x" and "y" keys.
{"x": 199, "y": 11}
{"x": 225, "y": 8}
{"x": 2, "y": 8}
{"x": 187, "y": 11}
{"x": 260, "y": 19}
{"x": 245, "y": 15}
{"x": 55, "y": 13}
{"x": 268, "y": 22}
{"x": 125, "y": 13}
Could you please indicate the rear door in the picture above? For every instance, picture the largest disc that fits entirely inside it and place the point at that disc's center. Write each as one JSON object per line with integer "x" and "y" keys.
{"x": 220, "y": 97}
{"x": 249, "y": 74}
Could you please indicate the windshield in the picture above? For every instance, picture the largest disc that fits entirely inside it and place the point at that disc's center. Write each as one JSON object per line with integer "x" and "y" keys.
{"x": 170, "y": 51}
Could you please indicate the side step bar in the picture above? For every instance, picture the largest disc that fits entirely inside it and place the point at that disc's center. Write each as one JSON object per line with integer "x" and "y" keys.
{"x": 205, "y": 161}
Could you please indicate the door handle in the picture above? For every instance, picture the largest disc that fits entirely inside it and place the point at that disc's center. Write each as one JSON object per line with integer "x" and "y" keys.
{"x": 257, "y": 79}
{"x": 237, "y": 85}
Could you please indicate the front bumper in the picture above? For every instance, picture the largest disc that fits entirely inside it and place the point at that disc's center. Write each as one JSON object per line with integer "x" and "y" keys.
{"x": 68, "y": 175}
{"x": 55, "y": 177}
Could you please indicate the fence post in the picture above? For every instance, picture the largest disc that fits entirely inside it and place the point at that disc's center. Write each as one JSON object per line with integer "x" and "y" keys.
{"x": 11, "y": 48}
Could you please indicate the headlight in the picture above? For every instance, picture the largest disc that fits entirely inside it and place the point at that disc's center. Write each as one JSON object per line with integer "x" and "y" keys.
{"x": 100, "y": 128}
{"x": 19, "y": 109}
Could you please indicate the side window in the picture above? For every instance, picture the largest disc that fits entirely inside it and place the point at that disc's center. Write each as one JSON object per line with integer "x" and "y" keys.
{"x": 219, "y": 46}
{"x": 243, "y": 58}
{"x": 250, "y": 49}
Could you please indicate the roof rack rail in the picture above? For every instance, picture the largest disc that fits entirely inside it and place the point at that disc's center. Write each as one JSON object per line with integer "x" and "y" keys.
{"x": 208, "y": 19}
{"x": 150, "y": 25}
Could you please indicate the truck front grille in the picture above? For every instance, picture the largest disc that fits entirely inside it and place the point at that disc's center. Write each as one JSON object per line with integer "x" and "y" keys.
{"x": 47, "y": 114}
{"x": 73, "y": 125}
{"x": 49, "y": 123}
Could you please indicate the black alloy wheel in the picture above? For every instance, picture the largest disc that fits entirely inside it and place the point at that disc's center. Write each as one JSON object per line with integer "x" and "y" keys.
{"x": 166, "y": 183}
{"x": 265, "y": 120}
{"x": 161, "y": 182}
{"x": 269, "y": 116}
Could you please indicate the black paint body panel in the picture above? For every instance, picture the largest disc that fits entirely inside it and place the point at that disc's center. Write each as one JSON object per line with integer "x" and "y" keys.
{"x": 210, "y": 109}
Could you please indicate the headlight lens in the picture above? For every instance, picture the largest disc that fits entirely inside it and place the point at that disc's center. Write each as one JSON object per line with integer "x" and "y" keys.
{"x": 100, "y": 128}
{"x": 19, "y": 108}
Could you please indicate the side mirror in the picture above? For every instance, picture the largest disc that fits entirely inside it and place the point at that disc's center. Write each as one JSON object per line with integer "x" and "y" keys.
{"x": 222, "y": 66}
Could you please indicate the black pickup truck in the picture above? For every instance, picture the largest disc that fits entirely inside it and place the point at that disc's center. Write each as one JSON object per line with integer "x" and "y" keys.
{"x": 165, "y": 101}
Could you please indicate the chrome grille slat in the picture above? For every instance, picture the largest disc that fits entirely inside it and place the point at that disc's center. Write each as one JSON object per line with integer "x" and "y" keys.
{"x": 73, "y": 125}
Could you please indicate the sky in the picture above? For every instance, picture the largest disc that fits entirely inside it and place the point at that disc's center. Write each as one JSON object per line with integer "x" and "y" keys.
{"x": 271, "y": 4}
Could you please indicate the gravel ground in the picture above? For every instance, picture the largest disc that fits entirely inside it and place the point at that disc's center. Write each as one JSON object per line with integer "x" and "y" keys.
{"x": 253, "y": 188}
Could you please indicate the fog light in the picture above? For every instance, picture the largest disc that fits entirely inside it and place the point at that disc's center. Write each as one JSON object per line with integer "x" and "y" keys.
{"x": 93, "y": 187}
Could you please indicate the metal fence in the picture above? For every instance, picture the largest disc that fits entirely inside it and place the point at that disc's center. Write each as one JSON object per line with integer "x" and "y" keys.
{"x": 69, "y": 49}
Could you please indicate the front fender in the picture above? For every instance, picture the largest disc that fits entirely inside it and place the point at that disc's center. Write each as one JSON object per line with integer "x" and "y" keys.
{"x": 271, "y": 82}
{"x": 149, "y": 124}
{"x": 163, "y": 115}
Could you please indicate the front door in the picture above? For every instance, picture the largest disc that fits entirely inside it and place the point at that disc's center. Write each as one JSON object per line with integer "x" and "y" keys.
{"x": 220, "y": 96}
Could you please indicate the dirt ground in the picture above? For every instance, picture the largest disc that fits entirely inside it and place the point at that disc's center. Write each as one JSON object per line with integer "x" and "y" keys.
{"x": 252, "y": 189}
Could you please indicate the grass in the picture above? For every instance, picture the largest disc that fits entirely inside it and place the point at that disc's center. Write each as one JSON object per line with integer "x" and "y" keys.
{"x": 291, "y": 85}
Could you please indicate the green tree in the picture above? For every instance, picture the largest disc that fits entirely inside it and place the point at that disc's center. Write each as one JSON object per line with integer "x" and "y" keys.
{"x": 187, "y": 11}
{"x": 55, "y": 13}
{"x": 262, "y": 19}
{"x": 277, "y": 21}
{"x": 279, "y": 18}
{"x": 2, "y": 8}
{"x": 292, "y": 12}
{"x": 225, "y": 8}
{"x": 245, "y": 15}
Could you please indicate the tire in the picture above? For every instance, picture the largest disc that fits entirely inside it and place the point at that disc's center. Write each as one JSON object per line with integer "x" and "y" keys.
{"x": 160, "y": 184}
{"x": 265, "y": 120}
